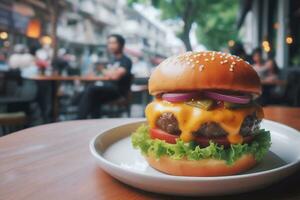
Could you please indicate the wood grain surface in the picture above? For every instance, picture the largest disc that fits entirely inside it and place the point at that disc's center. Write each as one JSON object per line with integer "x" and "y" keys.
{"x": 53, "y": 162}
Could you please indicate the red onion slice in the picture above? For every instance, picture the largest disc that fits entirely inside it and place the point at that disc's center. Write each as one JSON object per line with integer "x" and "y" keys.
{"x": 179, "y": 97}
{"x": 240, "y": 99}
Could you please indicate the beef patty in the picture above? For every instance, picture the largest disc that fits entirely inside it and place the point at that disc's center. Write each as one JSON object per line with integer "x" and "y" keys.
{"x": 168, "y": 122}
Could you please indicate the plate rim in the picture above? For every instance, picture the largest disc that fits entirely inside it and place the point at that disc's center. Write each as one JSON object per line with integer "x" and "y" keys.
{"x": 190, "y": 178}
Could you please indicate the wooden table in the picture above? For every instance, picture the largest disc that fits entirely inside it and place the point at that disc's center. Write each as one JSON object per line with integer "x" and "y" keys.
{"x": 55, "y": 81}
{"x": 53, "y": 162}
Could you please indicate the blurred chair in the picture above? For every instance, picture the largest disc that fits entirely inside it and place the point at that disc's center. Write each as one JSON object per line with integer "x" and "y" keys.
{"x": 292, "y": 89}
{"x": 15, "y": 98}
{"x": 117, "y": 107}
{"x": 10, "y": 122}
{"x": 289, "y": 93}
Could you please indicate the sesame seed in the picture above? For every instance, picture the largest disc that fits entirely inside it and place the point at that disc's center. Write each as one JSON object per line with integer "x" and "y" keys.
{"x": 231, "y": 69}
{"x": 188, "y": 62}
{"x": 213, "y": 58}
{"x": 206, "y": 59}
{"x": 225, "y": 61}
{"x": 197, "y": 61}
{"x": 221, "y": 62}
{"x": 233, "y": 63}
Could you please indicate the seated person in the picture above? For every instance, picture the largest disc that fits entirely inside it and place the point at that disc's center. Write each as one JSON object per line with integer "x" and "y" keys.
{"x": 118, "y": 74}
{"x": 267, "y": 71}
{"x": 273, "y": 69}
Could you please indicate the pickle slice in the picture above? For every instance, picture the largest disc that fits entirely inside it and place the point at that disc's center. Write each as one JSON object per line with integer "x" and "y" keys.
{"x": 204, "y": 104}
{"x": 230, "y": 105}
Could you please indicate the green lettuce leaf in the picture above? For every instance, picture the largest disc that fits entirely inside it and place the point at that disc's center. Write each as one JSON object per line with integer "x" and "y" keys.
{"x": 141, "y": 140}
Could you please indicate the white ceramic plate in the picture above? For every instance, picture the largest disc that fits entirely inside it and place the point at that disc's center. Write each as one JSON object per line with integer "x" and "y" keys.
{"x": 115, "y": 154}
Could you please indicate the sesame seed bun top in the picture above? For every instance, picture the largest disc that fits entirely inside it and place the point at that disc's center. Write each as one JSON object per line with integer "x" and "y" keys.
{"x": 207, "y": 70}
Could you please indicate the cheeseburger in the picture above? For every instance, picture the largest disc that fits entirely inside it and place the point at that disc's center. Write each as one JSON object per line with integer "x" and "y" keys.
{"x": 204, "y": 120}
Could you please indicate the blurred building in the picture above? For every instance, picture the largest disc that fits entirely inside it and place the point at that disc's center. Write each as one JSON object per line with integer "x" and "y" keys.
{"x": 142, "y": 34}
{"x": 274, "y": 26}
{"x": 25, "y": 21}
{"x": 145, "y": 36}
{"x": 81, "y": 27}
{"x": 84, "y": 26}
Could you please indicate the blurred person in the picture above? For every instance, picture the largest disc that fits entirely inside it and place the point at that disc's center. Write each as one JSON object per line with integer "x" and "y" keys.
{"x": 61, "y": 62}
{"x": 20, "y": 58}
{"x": 73, "y": 64}
{"x": 44, "y": 53}
{"x": 86, "y": 62}
{"x": 3, "y": 64}
{"x": 273, "y": 69}
{"x": 259, "y": 64}
{"x": 271, "y": 92}
{"x": 43, "y": 57}
{"x": 117, "y": 71}
{"x": 44, "y": 88}
{"x": 238, "y": 50}
{"x": 266, "y": 70}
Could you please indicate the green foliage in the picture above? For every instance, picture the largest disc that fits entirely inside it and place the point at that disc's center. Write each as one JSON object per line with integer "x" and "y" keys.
{"x": 215, "y": 19}
{"x": 140, "y": 139}
{"x": 218, "y": 25}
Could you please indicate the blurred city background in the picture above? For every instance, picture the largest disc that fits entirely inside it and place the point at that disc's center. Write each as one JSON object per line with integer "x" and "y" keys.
{"x": 66, "y": 59}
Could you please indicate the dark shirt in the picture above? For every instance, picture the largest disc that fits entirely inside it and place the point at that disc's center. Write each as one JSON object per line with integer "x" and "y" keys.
{"x": 124, "y": 82}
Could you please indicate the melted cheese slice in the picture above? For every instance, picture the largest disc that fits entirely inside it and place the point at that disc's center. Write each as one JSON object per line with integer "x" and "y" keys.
{"x": 191, "y": 118}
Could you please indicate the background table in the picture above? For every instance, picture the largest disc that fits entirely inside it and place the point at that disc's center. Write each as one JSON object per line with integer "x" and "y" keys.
{"x": 53, "y": 162}
{"x": 55, "y": 81}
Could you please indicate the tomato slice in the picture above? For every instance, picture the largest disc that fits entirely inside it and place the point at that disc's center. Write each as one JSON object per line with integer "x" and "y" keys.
{"x": 222, "y": 140}
{"x": 162, "y": 135}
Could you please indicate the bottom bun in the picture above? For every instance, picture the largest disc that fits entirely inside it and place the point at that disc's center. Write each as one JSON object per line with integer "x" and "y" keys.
{"x": 205, "y": 167}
